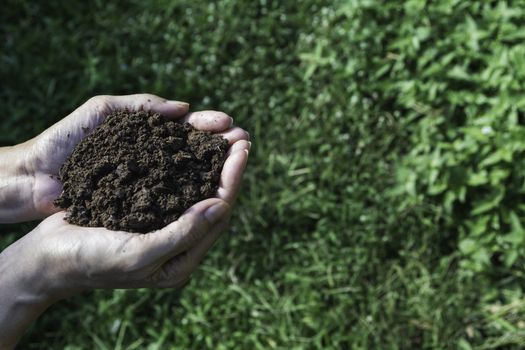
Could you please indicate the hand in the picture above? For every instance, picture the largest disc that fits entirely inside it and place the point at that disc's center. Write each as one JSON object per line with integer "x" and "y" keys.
{"x": 58, "y": 259}
{"x": 99, "y": 258}
{"x": 97, "y": 252}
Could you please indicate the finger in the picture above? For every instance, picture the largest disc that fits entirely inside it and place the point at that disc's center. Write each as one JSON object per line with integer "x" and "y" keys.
{"x": 231, "y": 175}
{"x": 178, "y": 270}
{"x": 213, "y": 121}
{"x": 237, "y": 146}
{"x": 148, "y": 102}
{"x": 184, "y": 233}
{"x": 235, "y": 134}
{"x": 54, "y": 220}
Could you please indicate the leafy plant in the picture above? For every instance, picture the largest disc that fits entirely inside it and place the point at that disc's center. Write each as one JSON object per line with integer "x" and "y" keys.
{"x": 382, "y": 206}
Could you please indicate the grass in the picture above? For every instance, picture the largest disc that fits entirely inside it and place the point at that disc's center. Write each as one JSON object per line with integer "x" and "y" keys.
{"x": 324, "y": 251}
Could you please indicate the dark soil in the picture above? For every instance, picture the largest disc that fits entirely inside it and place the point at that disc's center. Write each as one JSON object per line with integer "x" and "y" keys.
{"x": 138, "y": 172}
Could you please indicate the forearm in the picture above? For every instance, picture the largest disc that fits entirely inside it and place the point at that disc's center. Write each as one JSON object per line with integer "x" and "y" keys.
{"x": 16, "y": 184}
{"x": 23, "y": 295}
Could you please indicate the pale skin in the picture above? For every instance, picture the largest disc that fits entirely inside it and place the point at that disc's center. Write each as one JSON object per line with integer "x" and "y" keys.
{"x": 57, "y": 260}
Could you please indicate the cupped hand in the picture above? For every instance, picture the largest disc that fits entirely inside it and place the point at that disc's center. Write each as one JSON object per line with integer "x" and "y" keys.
{"x": 72, "y": 258}
{"x": 58, "y": 259}
{"x": 48, "y": 151}
{"x": 100, "y": 258}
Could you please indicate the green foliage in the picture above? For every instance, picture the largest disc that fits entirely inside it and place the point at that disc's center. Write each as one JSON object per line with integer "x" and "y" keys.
{"x": 382, "y": 203}
{"x": 460, "y": 85}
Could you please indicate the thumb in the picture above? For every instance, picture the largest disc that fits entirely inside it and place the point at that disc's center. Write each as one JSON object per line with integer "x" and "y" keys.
{"x": 188, "y": 230}
{"x": 148, "y": 102}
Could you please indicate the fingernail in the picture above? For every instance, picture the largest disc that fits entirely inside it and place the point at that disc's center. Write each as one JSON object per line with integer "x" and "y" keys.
{"x": 249, "y": 145}
{"x": 215, "y": 212}
{"x": 179, "y": 104}
{"x": 231, "y": 122}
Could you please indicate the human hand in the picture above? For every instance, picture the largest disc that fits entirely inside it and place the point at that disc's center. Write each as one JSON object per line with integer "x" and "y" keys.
{"x": 88, "y": 252}
{"x": 58, "y": 259}
{"x": 67, "y": 258}
{"x": 99, "y": 258}
{"x": 35, "y": 185}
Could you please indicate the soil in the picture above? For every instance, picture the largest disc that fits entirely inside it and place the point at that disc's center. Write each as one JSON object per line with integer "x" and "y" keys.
{"x": 138, "y": 172}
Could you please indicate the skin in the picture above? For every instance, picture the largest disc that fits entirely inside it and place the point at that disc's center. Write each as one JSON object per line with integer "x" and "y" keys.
{"x": 57, "y": 260}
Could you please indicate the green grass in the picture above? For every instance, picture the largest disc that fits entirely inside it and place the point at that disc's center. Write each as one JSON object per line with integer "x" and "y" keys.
{"x": 339, "y": 240}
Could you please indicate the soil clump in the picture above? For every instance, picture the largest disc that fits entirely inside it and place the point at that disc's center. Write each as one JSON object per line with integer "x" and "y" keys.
{"x": 138, "y": 172}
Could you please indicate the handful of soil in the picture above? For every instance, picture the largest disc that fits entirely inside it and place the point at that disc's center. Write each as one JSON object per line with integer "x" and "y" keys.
{"x": 138, "y": 172}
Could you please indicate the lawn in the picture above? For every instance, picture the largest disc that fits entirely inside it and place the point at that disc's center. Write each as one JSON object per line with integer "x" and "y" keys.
{"x": 383, "y": 203}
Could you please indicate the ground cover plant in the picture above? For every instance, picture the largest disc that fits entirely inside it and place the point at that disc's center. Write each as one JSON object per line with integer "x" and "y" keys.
{"x": 382, "y": 206}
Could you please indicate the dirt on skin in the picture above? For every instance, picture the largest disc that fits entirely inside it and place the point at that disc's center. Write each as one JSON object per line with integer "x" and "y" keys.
{"x": 138, "y": 172}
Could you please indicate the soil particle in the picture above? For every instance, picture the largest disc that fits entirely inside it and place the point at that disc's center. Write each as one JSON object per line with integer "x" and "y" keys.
{"x": 138, "y": 172}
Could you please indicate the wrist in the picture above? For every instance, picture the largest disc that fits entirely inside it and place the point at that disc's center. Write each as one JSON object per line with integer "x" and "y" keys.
{"x": 24, "y": 293}
{"x": 23, "y": 268}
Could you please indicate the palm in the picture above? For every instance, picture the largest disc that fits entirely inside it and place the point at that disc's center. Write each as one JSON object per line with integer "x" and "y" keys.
{"x": 53, "y": 148}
